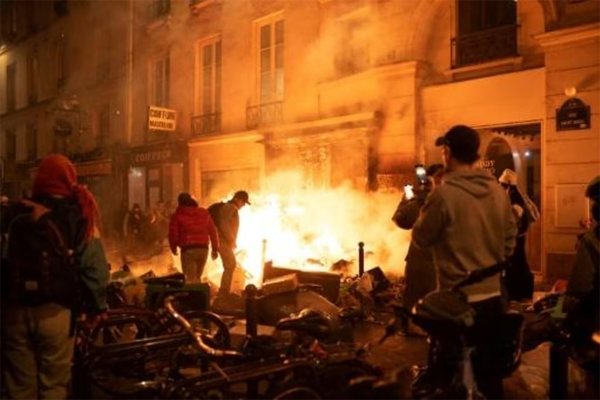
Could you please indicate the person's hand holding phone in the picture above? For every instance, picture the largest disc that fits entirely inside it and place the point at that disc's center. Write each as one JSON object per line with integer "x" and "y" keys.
{"x": 408, "y": 192}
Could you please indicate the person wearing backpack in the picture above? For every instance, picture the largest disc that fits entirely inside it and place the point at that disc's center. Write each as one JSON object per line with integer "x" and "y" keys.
{"x": 53, "y": 268}
{"x": 228, "y": 223}
{"x": 518, "y": 278}
{"x": 191, "y": 229}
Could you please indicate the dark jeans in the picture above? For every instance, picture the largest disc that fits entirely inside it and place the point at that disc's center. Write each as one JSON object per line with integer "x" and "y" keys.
{"x": 445, "y": 352}
{"x": 229, "y": 264}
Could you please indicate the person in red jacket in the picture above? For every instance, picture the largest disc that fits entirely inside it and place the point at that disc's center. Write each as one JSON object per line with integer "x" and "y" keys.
{"x": 191, "y": 228}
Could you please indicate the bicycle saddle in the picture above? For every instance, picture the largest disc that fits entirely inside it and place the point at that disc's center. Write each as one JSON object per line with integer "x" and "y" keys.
{"x": 177, "y": 279}
{"x": 307, "y": 321}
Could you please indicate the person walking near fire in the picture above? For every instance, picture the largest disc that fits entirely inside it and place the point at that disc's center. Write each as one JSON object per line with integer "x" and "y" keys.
{"x": 228, "y": 223}
{"x": 191, "y": 229}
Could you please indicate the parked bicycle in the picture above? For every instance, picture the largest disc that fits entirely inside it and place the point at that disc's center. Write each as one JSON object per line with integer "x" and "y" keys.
{"x": 444, "y": 315}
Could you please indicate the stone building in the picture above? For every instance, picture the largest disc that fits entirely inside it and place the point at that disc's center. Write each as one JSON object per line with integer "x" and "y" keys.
{"x": 63, "y": 68}
{"x": 222, "y": 94}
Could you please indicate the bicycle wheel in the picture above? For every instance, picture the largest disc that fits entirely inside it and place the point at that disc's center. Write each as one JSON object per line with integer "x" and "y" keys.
{"x": 295, "y": 390}
{"x": 214, "y": 330}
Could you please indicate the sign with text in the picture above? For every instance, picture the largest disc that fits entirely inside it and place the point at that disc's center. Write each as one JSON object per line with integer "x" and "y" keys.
{"x": 162, "y": 119}
{"x": 159, "y": 154}
{"x": 573, "y": 115}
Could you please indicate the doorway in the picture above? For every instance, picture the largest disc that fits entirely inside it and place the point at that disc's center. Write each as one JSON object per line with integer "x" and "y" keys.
{"x": 518, "y": 147}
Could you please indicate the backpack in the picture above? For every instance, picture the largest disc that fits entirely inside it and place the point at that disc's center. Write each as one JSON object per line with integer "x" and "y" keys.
{"x": 214, "y": 210}
{"x": 38, "y": 266}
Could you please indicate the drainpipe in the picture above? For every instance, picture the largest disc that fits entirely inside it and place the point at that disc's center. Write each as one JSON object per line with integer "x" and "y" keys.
{"x": 129, "y": 75}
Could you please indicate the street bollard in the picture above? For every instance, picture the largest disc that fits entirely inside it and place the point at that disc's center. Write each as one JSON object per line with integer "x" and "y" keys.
{"x": 559, "y": 371}
{"x": 251, "y": 311}
{"x": 361, "y": 258}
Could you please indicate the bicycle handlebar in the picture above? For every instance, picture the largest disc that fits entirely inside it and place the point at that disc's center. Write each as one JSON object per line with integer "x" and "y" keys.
{"x": 197, "y": 335}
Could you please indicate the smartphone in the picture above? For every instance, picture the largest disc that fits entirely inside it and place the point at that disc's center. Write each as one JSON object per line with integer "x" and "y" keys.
{"x": 421, "y": 173}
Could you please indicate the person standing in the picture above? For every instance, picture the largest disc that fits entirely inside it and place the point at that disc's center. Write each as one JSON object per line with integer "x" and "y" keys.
{"x": 228, "y": 225}
{"x": 518, "y": 277}
{"x": 133, "y": 227}
{"x": 191, "y": 229}
{"x": 469, "y": 223}
{"x": 49, "y": 282}
{"x": 419, "y": 272}
{"x": 582, "y": 296}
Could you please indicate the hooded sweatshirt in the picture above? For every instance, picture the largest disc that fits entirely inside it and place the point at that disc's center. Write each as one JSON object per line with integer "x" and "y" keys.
{"x": 469, "y": 222}
{"x": 192, "y": 227}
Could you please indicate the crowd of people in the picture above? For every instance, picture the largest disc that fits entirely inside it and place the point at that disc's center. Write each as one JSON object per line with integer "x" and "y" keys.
{"x": 462, "y": 220}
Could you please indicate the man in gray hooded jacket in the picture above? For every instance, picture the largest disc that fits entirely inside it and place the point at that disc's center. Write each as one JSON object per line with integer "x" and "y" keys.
{"x": 469, "y": 222}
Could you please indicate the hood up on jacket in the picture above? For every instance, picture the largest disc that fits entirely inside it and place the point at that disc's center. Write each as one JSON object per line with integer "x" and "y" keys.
{"x": 479, "y": 183}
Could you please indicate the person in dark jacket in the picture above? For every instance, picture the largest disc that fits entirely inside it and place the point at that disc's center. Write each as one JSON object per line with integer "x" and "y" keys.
{"x": 37, "y": 339}
{"x": 582, "y": 294}
{"x": 419, "y": 273}
{"x": 191, "y": 229}
{"x": 228, "y": 226}
{"x": 518, "y": 279}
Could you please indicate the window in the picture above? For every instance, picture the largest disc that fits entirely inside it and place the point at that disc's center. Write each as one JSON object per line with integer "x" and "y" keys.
{"x": 32, "y": 141}
{"x": 352, "y": 51}
{"x": 487, "y": 30}
{"x": 271, "y": 39}
{"x": 103, "y": 125}
{"x": 209, "y": 90}
{"x": 60, "y": 61}
{"x": 481, "y": 15}
{"x": 161, "y": 77}
{"x": 32, "y": 78}
{"x": 11, "y": 76}
{"x": 11, "y": 145}
{"x": 103, "y": 41}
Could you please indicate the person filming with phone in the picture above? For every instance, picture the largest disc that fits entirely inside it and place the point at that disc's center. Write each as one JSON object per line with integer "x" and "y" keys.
{"x": 419, "y": 271}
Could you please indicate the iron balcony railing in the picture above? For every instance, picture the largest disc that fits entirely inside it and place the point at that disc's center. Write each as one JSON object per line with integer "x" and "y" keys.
{"x": 158, "y": 8}
{"x": 266, "y": 114}
{"x": 484, "y": 46}
{"x": 206, "y": 123}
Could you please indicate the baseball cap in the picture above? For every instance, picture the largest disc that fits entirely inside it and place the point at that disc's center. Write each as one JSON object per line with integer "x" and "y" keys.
{"x": 463, "y": 143}
{"x": 242, "y": 195}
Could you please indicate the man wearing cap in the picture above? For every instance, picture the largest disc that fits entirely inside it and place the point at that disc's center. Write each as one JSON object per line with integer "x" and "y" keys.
{"x": 228, "y": 225}
{"x": 469, "y": 222}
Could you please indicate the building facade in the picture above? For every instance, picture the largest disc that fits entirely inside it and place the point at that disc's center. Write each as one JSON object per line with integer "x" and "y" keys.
{"x": 217, "y": 95}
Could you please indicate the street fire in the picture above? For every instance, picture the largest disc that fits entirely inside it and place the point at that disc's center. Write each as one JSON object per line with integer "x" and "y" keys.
{"x": 311, "y": 229}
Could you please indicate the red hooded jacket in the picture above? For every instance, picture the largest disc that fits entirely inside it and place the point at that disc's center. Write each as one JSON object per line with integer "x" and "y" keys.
{"x": 192, "y": 227}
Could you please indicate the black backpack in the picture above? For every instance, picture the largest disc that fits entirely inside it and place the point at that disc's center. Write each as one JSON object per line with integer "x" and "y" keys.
{"x": 213, "y": 210}
{"x": 38, "y": 265}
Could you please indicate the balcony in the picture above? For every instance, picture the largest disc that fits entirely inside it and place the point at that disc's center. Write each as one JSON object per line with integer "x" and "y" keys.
{"x": 484, "y": 46}
{"x": 262, "y": 115}
{"x": 206, "y": 123}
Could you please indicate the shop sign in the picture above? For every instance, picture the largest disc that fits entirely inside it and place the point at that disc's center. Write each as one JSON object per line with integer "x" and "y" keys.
{"x": 573, "y": 115}
{"x": 96, "y": 168}
{"x": 161, "y": 119}
{"x": 158, "y": 154}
